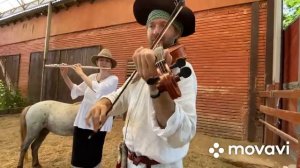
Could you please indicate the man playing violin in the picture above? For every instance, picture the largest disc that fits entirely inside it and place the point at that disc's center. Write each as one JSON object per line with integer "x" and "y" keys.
{"x": 158, "y": 129}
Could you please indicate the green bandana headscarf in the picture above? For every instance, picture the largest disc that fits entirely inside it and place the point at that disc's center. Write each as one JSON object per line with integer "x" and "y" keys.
{"x": 160, "y": 14}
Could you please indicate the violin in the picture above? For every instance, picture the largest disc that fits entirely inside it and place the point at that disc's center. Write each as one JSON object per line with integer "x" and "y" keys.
{"x": 167, "y": 81}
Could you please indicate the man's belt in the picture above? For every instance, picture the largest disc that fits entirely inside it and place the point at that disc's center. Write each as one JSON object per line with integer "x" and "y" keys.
{"x": 141, "y": 159}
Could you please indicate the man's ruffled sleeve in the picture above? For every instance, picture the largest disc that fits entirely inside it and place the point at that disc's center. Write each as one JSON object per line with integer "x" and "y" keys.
{"x": 181, "y": 126}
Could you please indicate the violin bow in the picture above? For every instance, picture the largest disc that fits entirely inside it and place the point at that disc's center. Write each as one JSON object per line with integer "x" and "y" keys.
{"x": 176, "y": 11}
{"x": 179, "y": 6}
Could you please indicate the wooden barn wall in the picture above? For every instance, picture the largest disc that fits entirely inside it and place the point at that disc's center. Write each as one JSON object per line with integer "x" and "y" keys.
{"x": 222, "y": 64}
{"x": 9, "y": 70}
{"x": 122, "y": 40}
{"x": 54, "y": 87}
{"x": 291, "y": 76}
{"x": 219, "y": 52}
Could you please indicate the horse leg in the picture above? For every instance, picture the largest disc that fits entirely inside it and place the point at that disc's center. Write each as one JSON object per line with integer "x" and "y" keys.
{"x": 24, "y": 147}
{"x": 35, "y": 147}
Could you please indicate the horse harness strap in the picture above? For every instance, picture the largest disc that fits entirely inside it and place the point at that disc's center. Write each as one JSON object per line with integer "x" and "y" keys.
{"x": 141, "y": 159}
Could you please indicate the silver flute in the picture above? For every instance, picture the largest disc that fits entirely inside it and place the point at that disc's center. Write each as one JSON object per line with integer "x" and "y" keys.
{"x": 70, "y": 66}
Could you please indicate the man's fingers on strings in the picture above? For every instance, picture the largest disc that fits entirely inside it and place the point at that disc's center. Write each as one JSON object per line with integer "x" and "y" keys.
{"x": 150, "y": 61}
{"x": 168, "y": 57}
{"x": 135, "y": 59}
{"x": 142, "y": 63}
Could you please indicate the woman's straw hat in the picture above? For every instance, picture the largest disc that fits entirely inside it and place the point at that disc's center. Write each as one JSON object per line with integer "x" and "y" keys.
{"x": 104, "y": 53}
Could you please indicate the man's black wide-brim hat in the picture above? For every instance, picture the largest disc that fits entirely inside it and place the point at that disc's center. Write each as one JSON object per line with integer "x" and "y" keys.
{"x": 142, "y": 9}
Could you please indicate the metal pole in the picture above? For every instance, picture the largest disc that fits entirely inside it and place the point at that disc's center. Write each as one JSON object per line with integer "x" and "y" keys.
{"x": 48, "y": 28}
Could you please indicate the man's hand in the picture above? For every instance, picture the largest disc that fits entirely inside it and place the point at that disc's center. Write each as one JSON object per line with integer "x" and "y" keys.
{"x": 144, "y": 59}
{"x": 98, "y": 114}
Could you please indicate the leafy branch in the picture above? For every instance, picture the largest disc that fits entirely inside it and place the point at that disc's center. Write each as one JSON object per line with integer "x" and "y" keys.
{"x": 291, "y": 11}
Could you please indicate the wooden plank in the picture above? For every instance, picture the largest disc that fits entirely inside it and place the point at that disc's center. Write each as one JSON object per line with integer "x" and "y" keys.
{"x": 9, "y": 70}
{"x": 269, "y": 43}
{"x": 280, "y": 93}
{"x": 282, "y": 134}
{"x": 264, "y": 94}
{"x": 16, "y": 65}
{"x": 291, "y": 116}
{"x": 51, "y": 76}
{"x": 269, "y": 137}
{"x": 253, "y": 71}
{"x": 34, "y": 82}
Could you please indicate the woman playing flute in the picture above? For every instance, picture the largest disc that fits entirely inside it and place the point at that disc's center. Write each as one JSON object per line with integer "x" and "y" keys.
{"x": 88, "y": 152}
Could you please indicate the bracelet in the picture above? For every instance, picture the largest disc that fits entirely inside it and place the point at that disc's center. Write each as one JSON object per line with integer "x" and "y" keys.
{"x": 156, "y": 95}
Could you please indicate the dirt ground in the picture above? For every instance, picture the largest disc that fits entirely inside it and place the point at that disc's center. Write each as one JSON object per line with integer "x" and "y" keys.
{"x": 55, "y": 151}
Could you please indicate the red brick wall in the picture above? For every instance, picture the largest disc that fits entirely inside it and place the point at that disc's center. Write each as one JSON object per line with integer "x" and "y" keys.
{"x": 121, "y": 39}
{"x": 100, "y": 13}
{"x": 219, "y": 52}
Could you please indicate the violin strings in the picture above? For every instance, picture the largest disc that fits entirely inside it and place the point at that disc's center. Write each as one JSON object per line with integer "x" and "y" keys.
{"x": 161, "y": 63}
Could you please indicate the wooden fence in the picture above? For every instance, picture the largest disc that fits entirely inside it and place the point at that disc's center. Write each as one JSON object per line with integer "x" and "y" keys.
{"x": 272, "y": 113}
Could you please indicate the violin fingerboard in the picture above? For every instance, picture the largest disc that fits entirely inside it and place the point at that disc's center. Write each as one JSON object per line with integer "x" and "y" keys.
{"x": 159, "y": 53}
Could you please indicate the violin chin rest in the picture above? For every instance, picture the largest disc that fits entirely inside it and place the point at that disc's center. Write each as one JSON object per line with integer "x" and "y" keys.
{"x": 185, "y": 72}
{"x": 152, "y": 81}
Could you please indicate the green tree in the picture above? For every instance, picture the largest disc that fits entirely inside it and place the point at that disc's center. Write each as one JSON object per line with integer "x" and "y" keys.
{"x": 291, "y": 11}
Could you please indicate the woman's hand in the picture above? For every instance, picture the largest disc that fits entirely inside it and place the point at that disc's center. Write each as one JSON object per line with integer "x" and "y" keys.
{"x": 77, "y": 68}
{"x": 64, "y": 70}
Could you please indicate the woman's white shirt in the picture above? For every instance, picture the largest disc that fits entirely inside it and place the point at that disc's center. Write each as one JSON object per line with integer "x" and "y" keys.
{"x": 100, "y": 89}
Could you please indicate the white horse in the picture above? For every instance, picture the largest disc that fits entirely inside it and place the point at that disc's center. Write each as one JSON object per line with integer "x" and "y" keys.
{"x": 40, "y": 119}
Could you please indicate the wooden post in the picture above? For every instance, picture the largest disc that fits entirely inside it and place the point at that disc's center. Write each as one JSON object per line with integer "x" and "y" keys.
{"x": 252, "y": 133}
{"x": 298, "y": 153}
{"x": 269, "y": 137}
{"x": 48, "y": 28}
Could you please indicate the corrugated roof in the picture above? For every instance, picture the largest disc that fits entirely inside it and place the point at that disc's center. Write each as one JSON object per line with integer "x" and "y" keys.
{"x": 11, "y": 7}
{"x": 29, "y": 8}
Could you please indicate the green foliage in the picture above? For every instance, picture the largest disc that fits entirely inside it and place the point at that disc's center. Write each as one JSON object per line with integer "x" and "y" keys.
{"x": 10, "y": 98}
{"x": 291, "y": 11}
